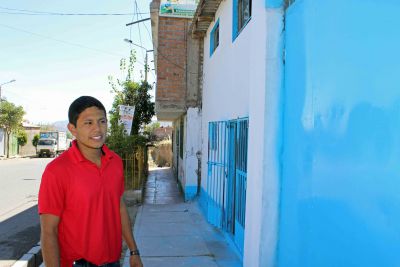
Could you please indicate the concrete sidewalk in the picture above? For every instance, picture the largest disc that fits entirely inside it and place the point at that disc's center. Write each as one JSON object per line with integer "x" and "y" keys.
{"x": 172, "y": 233}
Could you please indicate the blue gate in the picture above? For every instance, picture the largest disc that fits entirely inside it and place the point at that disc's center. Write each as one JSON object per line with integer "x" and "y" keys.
{"x": 227, "y": 176}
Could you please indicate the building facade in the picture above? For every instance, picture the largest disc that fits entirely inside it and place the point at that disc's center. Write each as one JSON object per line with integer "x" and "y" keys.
{"x": 178, "y": 96}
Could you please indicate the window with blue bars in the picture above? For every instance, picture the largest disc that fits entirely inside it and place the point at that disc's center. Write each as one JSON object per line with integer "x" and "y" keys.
{"x": 214, "y": 38}
{"x": 241, "y": 16}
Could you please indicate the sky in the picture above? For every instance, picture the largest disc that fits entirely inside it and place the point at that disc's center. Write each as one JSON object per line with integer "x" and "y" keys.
{"x": 57, "y": 58}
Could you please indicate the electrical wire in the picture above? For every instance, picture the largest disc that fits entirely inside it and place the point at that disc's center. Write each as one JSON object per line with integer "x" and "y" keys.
{"x": 62, "y": 41}
{"x": 147, "y": 29}
{"x": 34, "y": 12}
{"x": 131, "y": 44}
{"x": 69, "y": 43}
{"x": 138, "y": 24}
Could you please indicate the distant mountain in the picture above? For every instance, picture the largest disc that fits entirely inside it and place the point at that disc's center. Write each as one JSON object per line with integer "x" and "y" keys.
{"x": 61, "y": 125}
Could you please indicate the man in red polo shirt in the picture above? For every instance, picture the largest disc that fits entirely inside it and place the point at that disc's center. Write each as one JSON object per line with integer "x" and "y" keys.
{"x": 83, "y": 216}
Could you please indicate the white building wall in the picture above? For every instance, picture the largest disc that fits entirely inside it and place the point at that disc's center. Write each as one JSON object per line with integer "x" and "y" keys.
{"x": 175, "y": 148}
{"x": 264, "y": 138}
{"x": 257, "y": 125}
{"x": 236, "y": 85}
{"x": 192, "y": 146}
{"x": 182, "y": 161}
{"x": 2, "y": 142}
{"x": 226, "y": 76}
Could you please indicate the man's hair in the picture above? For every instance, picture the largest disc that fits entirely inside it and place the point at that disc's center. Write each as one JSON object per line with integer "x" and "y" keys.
{"x": 80, "y": 104}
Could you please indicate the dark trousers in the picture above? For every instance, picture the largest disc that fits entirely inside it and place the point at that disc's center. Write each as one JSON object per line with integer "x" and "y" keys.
{"x": 85, "y": 263}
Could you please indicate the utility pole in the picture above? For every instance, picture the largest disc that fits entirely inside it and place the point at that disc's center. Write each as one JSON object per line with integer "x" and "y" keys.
{"x": 13, "y": 80}
{"x": 146, "y": 66}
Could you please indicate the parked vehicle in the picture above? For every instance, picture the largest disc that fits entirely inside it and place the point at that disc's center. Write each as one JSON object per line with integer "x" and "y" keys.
{"x": 51, "y": 143}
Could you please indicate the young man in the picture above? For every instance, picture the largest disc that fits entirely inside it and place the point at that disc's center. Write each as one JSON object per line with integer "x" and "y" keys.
{"x": 82, "y": 212}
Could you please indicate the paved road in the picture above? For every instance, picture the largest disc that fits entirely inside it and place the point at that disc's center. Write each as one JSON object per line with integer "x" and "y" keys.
{"x": 19, "y": 222}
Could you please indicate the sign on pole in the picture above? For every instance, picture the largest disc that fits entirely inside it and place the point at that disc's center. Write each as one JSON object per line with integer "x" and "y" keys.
{"x": 178, "y": 8}
{"x": 126, "y": 117}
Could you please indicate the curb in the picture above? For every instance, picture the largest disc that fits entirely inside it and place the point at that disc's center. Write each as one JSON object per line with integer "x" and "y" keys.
{"x": 33, "y": 258}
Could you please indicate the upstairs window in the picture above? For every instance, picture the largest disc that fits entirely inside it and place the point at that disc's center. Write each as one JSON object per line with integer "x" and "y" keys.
{"x": 241, "y": 16}
{"x": 214, "y": 38}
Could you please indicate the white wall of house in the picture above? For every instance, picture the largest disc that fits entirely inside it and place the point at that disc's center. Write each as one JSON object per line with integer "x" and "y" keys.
{"x": 192, "y": 146}
{"x": 266, "y": 190}
{"x": 235, "y": 85}
{"x": 226, "y": 76}
{"x": 175, "y": 150}
{"x": 2, "y": 142}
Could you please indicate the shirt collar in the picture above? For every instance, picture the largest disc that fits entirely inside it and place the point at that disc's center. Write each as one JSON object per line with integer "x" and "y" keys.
{"x": 78, "y": 157}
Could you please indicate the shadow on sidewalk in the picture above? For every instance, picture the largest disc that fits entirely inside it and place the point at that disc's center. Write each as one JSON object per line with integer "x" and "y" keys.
{"x": 18, "y": 234}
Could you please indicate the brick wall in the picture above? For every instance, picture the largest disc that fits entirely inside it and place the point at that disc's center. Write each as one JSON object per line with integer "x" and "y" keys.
{"x": 171, "y": 61}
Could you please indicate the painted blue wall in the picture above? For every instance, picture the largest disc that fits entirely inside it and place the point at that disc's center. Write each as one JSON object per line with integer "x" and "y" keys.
{"x": 274, "y": 3}
{"x": 340, "y": 198}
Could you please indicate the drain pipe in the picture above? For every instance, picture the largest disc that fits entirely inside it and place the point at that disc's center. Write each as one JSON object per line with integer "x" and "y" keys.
{"x": 198, "y": 171}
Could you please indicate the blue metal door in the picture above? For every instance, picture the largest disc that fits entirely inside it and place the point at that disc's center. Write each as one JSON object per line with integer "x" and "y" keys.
{"x": 240, "y": 180}
{"x": 227, "y": 177}
{"x": 230, "y": 178}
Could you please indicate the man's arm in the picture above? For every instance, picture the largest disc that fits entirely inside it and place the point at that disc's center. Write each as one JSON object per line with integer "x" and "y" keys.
{"x": 49, "y": 239}
{"x": 134, "y": 260}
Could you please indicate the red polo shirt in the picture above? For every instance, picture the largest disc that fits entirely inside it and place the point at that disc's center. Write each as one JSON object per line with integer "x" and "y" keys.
{"x": 87, "y": 200}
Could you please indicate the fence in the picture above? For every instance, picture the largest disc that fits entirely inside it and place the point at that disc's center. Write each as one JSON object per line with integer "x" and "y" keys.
{"x": 135, "y": 169}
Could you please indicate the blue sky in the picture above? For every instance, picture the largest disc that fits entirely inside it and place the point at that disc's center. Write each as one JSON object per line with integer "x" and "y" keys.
{"x": 56, "y": 59}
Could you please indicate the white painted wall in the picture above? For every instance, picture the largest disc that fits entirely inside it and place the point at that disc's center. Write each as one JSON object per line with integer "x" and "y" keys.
{"x": 175, "y": 150}
{"x": 257, "y": 125}
{"x": 263, "y": 214}
{"x": 2, "y": 142}
{"x": 226, "y": 76}
{"x": 242, "y": 79}
{"x": 193, "y": 144}
{"x": 182, "y": 161}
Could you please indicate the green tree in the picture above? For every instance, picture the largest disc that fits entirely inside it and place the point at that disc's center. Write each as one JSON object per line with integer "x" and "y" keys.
{"x": 35, "y": 141}
{"x": 22, "y": 138}
{"x": 131, "y": 93}
{"x": 149, "y": 130}
{"x": 10, "y": 119}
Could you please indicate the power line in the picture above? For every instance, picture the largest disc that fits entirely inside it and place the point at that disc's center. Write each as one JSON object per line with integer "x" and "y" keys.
{"x": 62, "y": 41}
{"x": 140, "y": 34}
{"x": 147, "y": 29}
{"x": 68, "y": 43}
{"x": 34, "y": 12}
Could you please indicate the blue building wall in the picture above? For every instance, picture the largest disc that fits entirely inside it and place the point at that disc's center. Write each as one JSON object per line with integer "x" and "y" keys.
{"x": 340, "y": 198}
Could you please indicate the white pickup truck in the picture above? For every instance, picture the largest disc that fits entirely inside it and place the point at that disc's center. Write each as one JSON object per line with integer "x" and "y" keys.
{"x": 51, "y": 143}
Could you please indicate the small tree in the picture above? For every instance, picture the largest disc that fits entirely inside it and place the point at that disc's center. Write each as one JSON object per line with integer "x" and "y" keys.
{"x": 131, "y": 93}
{"x": 22, "y": 138}
{"x": 35, "y": 141}
{"x": 10, "y": 119}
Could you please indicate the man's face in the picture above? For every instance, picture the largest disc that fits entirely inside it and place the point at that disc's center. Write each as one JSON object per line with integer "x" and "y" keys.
{"x": 91, "y": 128}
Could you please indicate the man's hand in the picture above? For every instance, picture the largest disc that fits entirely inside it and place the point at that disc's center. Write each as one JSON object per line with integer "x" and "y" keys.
{"x": 135, "y": 261}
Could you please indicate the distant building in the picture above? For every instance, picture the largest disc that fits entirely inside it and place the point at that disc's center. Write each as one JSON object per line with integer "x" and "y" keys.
{"x": 27, "y": 150}
{"x": 31, "y": 130}
{"x": 2, "y": 142}
{"x": 163, "y": 133}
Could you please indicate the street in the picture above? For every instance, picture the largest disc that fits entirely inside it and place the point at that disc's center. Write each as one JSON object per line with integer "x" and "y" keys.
{"x": 19, "y": 222}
